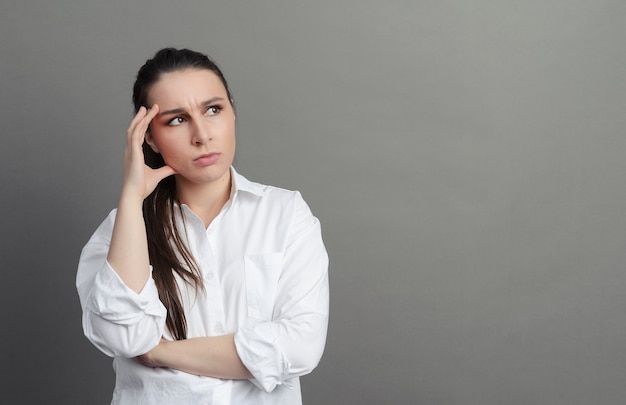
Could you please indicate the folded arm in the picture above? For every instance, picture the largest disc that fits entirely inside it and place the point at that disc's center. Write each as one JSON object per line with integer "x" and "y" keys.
{"x": 214, "y": 356}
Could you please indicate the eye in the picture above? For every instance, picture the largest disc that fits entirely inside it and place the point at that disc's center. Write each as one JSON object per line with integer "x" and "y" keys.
{"x": 213, "y": 110}
{"x": 176, "y": 121}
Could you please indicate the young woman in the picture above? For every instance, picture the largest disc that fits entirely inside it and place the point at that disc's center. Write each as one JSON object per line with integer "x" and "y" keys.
{"x": 205, "y": 287}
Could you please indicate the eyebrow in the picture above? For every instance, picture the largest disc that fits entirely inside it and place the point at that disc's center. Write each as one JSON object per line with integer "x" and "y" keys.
{"x": 182, "y": 110}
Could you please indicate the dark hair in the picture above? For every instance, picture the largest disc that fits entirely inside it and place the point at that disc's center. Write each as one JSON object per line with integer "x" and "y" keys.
{"x": 166, "y": 247}
{"x": 169, "y": 60}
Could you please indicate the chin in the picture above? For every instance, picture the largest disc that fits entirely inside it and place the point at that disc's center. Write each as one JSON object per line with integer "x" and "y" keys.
{"x": 207, "y": 178}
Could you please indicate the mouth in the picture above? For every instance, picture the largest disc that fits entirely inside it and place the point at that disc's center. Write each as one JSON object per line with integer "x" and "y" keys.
{"x": 207, "y": 159}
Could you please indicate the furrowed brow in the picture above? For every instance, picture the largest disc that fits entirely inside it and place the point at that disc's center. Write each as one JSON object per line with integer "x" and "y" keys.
{"x": 182, "y": 110}
{"x": 174, "y": 111}
{"x": 212, "y": 100}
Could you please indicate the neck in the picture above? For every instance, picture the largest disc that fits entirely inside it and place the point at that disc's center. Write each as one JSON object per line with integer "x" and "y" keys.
{"x": 204, "y": 200}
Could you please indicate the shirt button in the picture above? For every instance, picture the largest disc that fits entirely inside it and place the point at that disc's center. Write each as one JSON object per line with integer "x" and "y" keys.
{"x": 218, "y": 327}
{"x": 209, "y": 276}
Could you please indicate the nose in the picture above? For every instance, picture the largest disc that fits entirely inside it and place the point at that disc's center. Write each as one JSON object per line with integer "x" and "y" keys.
{"x": 201, "y": 133}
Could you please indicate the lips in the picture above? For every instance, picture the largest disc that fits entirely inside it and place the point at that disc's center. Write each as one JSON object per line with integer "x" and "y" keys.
{"x": 207, "y": 159}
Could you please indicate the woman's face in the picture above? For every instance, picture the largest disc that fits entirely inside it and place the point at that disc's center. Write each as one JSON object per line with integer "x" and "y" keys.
{"x": 194, "y": 130}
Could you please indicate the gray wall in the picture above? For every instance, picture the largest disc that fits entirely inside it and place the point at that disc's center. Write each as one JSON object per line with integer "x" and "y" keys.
{"x": 466, "y": 159}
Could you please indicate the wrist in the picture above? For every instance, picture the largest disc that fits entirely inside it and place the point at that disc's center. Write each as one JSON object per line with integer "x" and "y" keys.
{"x": 130, "y": 200}
{"x": 159, "y": 354}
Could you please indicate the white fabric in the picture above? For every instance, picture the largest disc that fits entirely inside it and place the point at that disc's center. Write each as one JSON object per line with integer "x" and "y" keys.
{"x": 265, "y": 272}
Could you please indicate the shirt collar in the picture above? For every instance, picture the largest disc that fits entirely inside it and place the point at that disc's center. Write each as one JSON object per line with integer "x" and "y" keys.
{"x": 240, "y": 183}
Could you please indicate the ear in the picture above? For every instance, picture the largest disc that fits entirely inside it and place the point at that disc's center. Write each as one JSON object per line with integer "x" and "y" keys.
{"x": 150, "y": 142}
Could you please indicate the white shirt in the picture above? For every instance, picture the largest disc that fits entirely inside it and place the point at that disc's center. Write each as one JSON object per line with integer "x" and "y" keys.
{"x": 265, "y": 273}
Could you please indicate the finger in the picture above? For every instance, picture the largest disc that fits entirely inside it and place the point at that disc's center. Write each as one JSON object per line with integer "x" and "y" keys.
{"x": 130, "y": 132}
{"x": 145, "y": 121}
{"x": 138, "y": 130}
{"x": 163, "y": 172}
{"x": 154, "y": 110}
{"x": 138, "y": 116}
{"x": 144, "y": 124}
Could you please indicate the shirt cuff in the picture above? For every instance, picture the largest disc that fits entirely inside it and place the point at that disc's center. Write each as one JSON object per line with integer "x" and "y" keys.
{"x": 113, "y": 301}
{"x": 257, "y": 347}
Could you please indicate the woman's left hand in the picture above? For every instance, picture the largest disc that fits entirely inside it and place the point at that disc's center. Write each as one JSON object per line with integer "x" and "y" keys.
{"x": 151, "y": 359}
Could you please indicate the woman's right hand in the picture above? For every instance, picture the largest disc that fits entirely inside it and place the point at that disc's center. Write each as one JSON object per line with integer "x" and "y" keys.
{"x": 139, "y": 179}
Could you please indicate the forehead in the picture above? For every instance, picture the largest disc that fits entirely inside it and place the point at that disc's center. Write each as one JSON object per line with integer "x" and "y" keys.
{"x": 184, "y": 85}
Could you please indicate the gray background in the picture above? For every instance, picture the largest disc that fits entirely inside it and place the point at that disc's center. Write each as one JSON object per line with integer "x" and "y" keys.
{"x": 466, "y": 159}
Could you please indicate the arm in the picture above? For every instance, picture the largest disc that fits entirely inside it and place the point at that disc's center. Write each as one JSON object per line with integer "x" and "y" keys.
{"x": 291, "y": 342}
{"x": 122, "y": 313}
{"x": 128, "y": 252}
{"x": 214, "y": 356}
{"x": 116, "y": 319}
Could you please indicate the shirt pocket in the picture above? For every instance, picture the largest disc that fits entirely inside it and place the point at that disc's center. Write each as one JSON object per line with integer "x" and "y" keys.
{"x": 262, "y": 272}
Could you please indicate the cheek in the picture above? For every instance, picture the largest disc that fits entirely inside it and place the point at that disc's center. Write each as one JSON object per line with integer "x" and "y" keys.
{"x": 231, "y": 132}
{"x": 167, "y": 148}
{"x": 232, "y": 143}
{"x": 163, "y": 138}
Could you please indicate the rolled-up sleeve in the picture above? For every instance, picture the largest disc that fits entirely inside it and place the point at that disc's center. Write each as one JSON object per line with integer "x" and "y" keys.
{"x": 292, "y": 342}
{"x": 116, "y": 319}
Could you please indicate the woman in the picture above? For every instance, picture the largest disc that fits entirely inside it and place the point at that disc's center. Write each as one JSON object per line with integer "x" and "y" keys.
{"x": 205, "y": 287}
